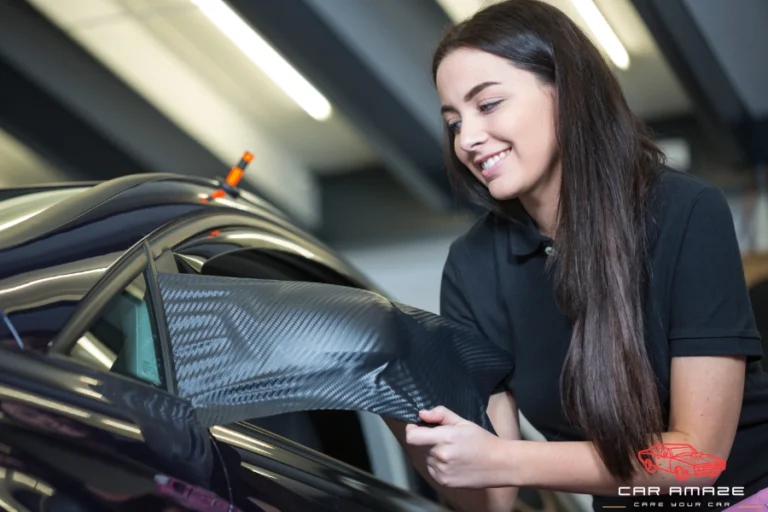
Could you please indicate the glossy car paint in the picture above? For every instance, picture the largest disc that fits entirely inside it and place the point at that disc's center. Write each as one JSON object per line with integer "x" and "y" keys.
{"x": 89, "y": 439}
{"x": 92, "y": 439}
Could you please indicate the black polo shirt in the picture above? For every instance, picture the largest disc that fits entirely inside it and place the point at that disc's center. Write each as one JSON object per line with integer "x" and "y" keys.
{"x": 696, "y": 304}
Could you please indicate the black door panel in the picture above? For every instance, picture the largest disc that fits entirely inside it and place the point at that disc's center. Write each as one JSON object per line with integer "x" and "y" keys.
{"x": 325, "y": 485}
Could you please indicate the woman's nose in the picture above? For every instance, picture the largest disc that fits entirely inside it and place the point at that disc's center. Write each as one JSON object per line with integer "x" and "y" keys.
{"x": 471, "y": 136}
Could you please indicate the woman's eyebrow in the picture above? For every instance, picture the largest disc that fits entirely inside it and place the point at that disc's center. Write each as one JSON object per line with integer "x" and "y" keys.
{"x": 474, "y": 91}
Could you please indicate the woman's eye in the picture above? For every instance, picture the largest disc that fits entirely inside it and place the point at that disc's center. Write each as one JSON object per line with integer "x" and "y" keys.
{"x": 454, "y": 127}
{"x": 488, "y": 107}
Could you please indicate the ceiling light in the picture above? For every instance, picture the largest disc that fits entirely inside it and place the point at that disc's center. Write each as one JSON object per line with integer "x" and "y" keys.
{"x": 459, "y": 10}
{"x": 603, "y": 32}
{"x": 266, "y": 58}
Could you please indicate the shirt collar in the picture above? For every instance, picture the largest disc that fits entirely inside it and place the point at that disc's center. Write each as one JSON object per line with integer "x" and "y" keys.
{"x": 524, "y": 237}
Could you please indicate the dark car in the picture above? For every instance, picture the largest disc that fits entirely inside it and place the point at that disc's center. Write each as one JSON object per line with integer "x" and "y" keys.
{"x": 89, "y": 422}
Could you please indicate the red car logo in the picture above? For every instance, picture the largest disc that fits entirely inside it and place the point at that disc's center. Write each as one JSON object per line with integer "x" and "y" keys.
{"x": 680, "y": 459}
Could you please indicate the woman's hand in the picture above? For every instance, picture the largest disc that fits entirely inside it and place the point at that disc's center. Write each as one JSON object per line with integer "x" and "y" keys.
{"x": 460, "y": 454}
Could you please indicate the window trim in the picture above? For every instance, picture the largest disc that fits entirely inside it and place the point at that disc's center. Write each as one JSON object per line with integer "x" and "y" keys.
{"x": 130, "y": 266}
{"x": 197, "y": 222}
{"x": 157, "y": 313}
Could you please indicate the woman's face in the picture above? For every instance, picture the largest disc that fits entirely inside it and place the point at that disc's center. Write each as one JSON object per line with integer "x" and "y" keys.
{"x": 503, "y": 120}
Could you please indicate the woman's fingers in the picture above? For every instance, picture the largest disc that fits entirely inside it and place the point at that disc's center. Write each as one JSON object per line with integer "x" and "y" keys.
{"x": 423, "y": 436}
{"x": 441, "y": 416}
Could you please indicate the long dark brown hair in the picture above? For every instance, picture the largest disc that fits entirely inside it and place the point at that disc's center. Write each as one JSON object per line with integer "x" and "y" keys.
{"x": 608, "y": 163}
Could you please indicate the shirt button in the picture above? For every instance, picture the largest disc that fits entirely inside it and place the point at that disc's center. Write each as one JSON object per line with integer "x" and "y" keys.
{"x": 549, "y": 250}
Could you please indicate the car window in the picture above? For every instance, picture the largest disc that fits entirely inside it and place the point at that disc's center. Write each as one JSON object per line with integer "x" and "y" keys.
{"x": 124, "y": 339}
{"x": 268, "y": 264}
{"x": 259, "y": 253}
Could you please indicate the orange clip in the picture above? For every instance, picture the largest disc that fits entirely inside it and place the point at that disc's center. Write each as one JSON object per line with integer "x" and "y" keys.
{"x": 235, "y": 175}
{"x": 237, "y": 172}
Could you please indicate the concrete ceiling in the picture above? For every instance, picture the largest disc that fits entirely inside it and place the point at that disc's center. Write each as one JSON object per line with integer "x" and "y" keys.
{"x": 20, "y": 166}
{"x": 210, "y": 57}
{"x": 649, "y": 84}
{"x": 326, "y": 146}
{"x": 739, "y": 39}
{"x": 332, "y": 146}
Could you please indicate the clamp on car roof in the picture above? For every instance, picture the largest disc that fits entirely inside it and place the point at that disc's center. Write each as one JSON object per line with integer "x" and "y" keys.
{"x": 229, "y": 185}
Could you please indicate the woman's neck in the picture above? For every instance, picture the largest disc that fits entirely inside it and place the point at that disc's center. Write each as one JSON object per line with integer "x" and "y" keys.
{"x": 544, "y": 215}
{"x": 542, "y": 204}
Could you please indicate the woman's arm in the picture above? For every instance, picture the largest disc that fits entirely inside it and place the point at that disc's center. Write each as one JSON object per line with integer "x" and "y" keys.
{"x": 705, "y": 404}
{"x": 502, "y": 411}
{"x": 706, "y": 397}
{"x": 711, "y": 330}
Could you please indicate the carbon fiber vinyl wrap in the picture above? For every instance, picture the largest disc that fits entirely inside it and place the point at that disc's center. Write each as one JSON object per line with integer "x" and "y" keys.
{"x": 248, "y": 348}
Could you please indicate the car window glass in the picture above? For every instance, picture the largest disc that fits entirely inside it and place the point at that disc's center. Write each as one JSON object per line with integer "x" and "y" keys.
{"x": 124, "y": 337}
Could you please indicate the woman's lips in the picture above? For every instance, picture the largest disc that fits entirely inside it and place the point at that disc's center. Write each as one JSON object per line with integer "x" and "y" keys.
{"x": 492, "y": 171}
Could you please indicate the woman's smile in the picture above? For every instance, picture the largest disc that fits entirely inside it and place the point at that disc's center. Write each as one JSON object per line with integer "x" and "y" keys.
{"x": 489, "y": 165}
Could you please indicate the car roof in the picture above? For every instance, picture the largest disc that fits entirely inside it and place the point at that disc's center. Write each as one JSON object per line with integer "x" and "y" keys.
{"x": 64, "y": 238}
{"x": 29, "y": 213}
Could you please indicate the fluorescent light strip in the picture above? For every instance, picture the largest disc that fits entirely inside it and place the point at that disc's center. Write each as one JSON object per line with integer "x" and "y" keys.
{"x": 603, "y": 32}
{"x": 266, "y": 58}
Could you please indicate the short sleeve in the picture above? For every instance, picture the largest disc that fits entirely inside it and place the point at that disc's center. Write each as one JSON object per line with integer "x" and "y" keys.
{"x": 711, "y": 313}
{"x": 454, "y": 304}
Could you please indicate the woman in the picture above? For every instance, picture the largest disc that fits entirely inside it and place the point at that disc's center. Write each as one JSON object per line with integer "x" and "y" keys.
{"x": 615, "y": 282}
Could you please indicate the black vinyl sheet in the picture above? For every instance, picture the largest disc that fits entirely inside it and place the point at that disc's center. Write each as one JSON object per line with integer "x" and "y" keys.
{"x": 249, "y": 348}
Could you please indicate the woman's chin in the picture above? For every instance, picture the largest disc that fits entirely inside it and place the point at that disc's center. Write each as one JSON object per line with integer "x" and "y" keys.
{"x": 500, "y": 192}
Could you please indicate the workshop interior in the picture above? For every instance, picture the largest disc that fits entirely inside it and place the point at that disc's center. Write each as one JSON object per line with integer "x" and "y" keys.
{"x": 157, "y": 153}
